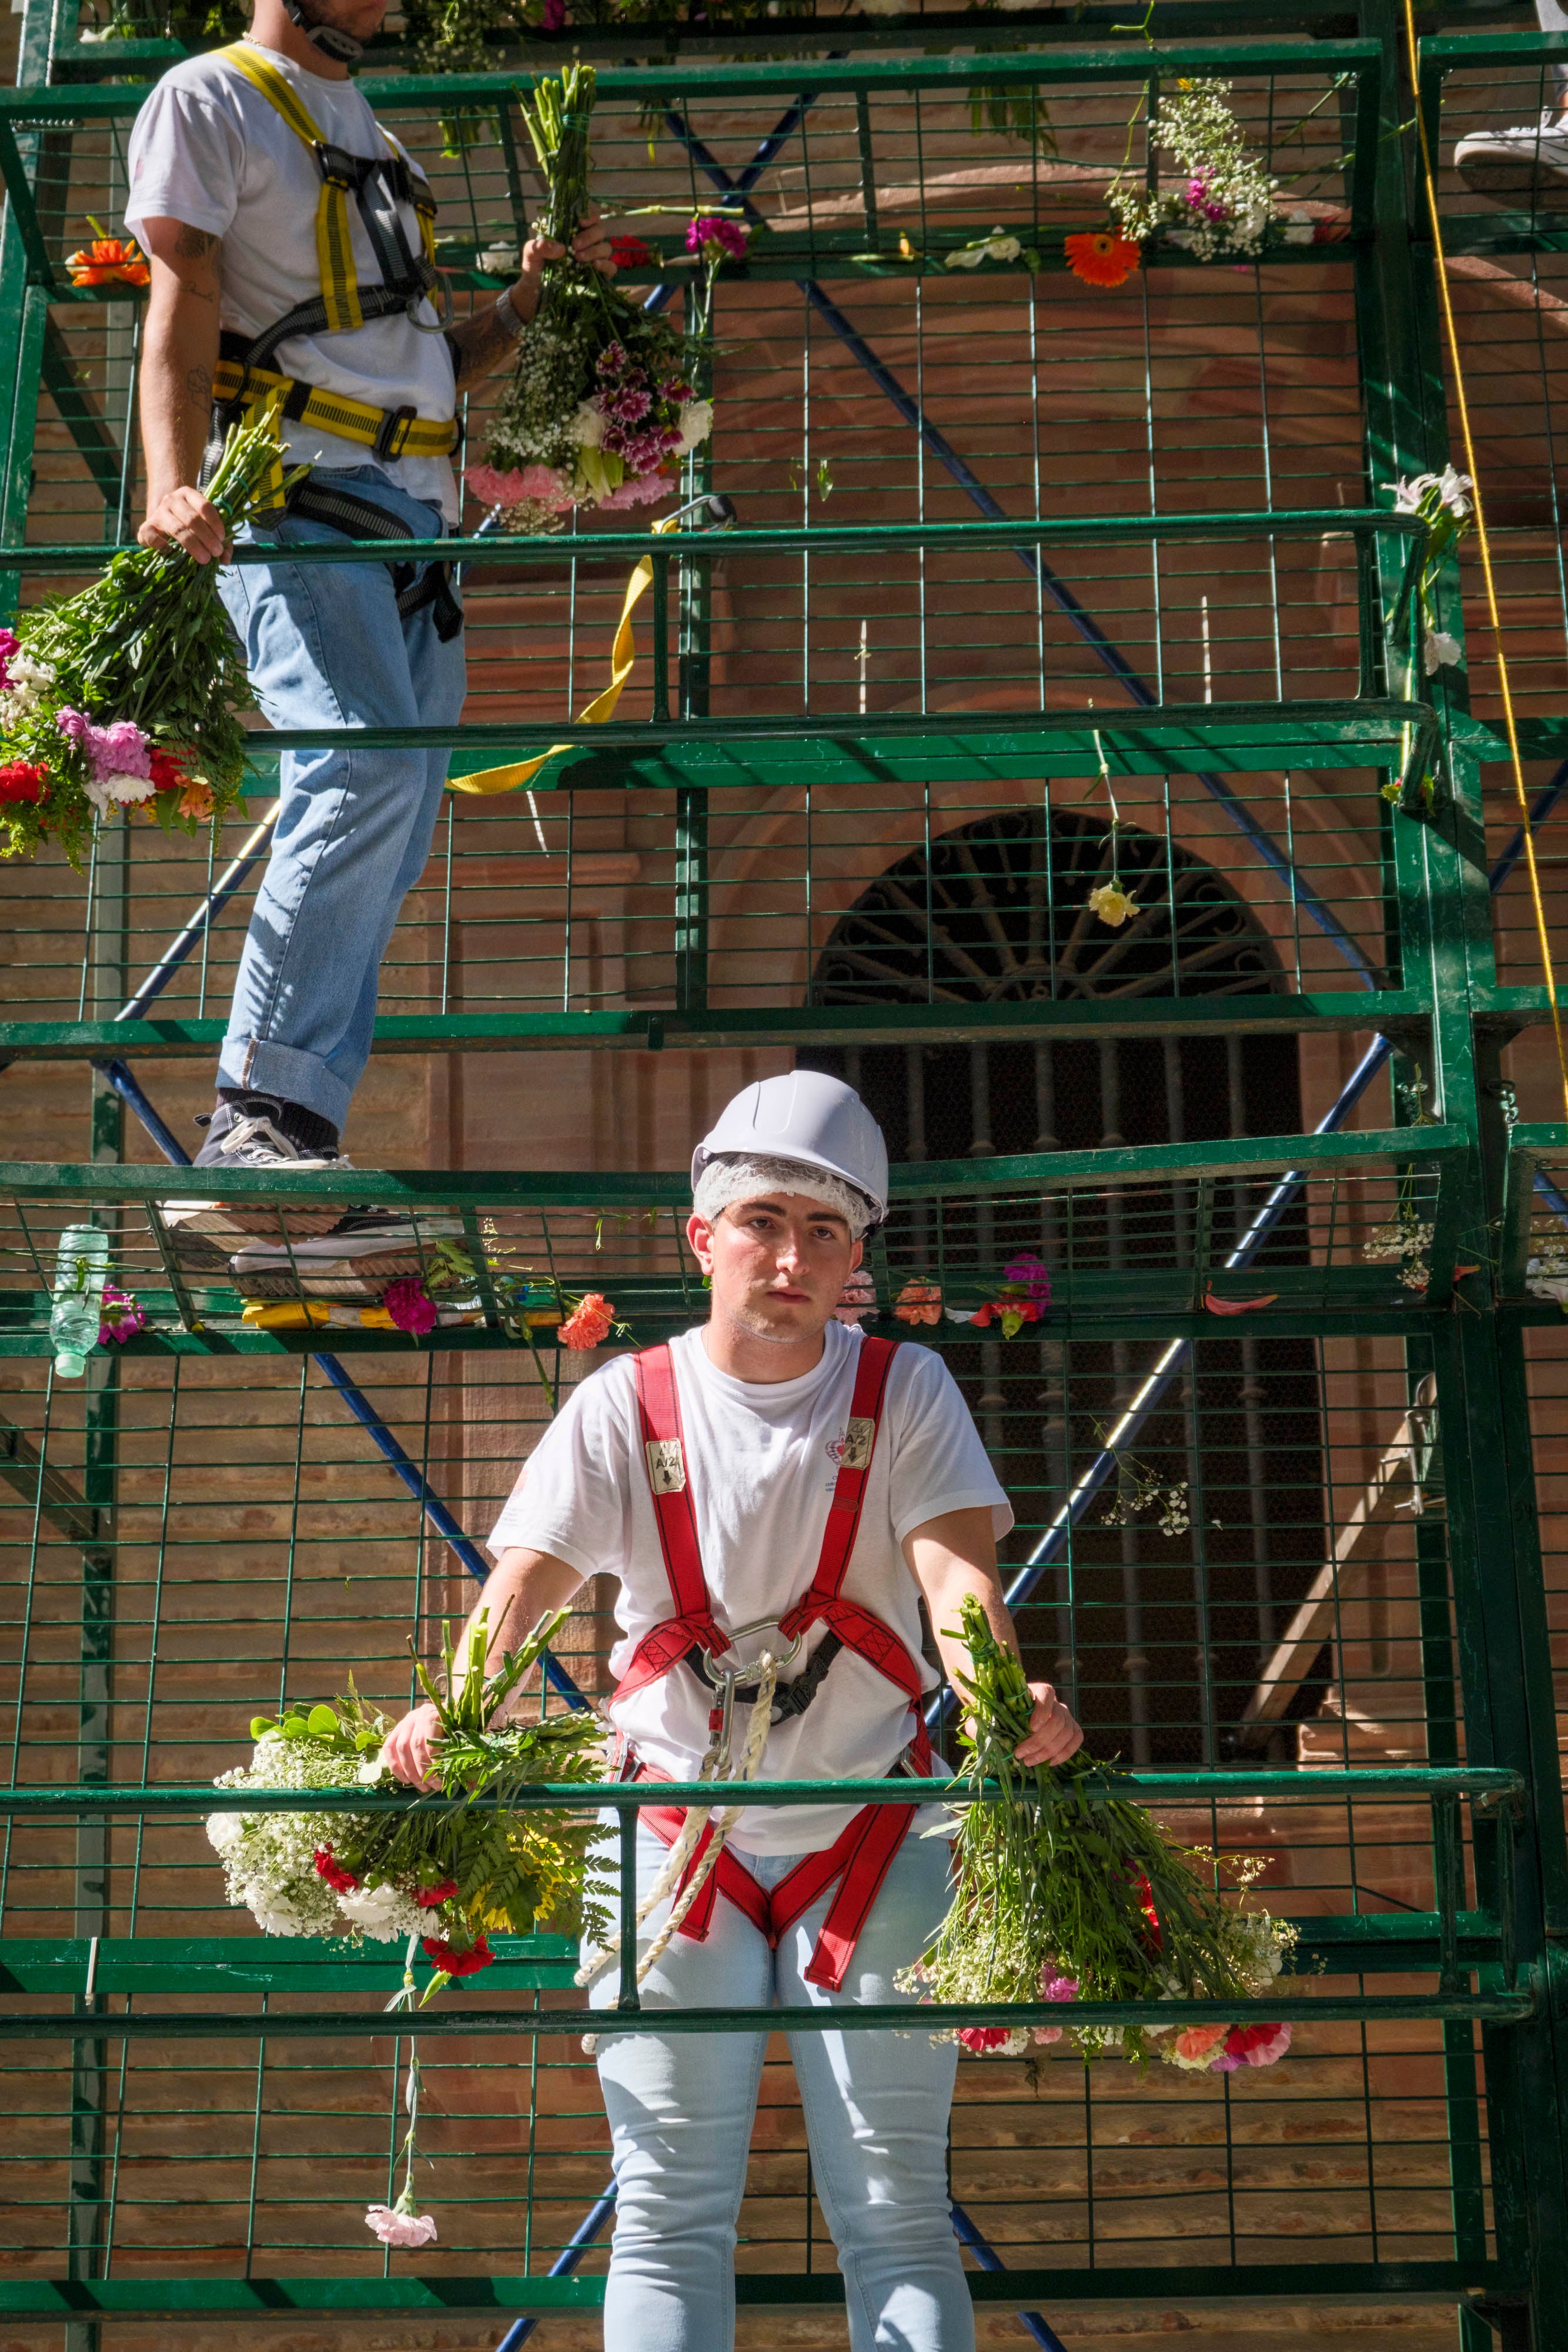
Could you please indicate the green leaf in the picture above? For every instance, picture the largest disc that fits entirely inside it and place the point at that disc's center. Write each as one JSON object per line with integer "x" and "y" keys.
{"x": 322, "y": 1722}
{"x": 260, "y": 1725}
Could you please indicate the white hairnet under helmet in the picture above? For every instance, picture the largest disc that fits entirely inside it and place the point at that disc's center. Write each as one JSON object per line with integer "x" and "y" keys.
{"x": 812, "y": 1121}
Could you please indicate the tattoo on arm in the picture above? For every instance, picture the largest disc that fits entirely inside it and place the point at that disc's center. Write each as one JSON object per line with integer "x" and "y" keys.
{"x": 194, "y": 243}
{"x": 199, "y": 389}
{"x": 479, "y": 344}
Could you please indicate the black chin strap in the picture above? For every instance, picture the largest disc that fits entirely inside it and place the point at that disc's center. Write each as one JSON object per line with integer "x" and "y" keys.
{"x": 325, "y": 37}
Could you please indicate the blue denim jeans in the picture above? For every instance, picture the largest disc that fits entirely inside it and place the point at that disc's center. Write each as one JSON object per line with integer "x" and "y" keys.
{"x": 875, "y": 2107}
{"x": 325, "y": 647}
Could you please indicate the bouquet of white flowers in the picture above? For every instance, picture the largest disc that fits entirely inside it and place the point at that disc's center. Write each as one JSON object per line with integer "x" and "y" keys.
{"x": 125, "y": 695}
{"x": 1223, "y": 205}
{"x": 600, "y": 404}
{"x": 448, "y": 1874}
{"x": 1062, "y": 1894}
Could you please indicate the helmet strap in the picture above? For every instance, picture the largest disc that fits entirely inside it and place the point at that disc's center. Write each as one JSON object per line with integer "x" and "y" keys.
{"x": 341, "y": 47}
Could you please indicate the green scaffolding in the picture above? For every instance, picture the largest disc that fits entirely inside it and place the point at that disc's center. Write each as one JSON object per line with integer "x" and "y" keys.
{"x": 998, "y": 551}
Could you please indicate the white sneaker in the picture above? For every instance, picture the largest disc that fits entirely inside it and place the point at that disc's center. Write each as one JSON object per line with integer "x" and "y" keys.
{"x": 1529, "y": 160}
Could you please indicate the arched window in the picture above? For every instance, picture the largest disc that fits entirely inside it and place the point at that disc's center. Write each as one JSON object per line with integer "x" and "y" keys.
{"x": 1159, "y": 1608}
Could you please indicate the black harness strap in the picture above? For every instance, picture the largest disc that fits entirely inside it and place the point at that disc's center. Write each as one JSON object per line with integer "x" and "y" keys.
{"x": 413, "y": 586}
{"x": 789, "y": 1699}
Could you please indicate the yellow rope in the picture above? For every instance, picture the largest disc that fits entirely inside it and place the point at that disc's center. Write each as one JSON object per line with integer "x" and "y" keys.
{"x": 1494, "y": 615}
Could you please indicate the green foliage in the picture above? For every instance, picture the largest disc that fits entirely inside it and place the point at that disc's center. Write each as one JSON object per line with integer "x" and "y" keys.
{"x": 1063, "y": 1880}
{"x": 149, "y": 642}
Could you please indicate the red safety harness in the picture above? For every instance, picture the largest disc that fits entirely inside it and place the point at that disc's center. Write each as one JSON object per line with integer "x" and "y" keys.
{"x": 860, "y": 1858}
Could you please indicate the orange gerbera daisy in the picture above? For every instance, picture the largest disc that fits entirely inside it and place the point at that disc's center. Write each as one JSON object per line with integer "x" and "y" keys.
{"x": 109, "y": 262}
{"x": 1101, "y": 257}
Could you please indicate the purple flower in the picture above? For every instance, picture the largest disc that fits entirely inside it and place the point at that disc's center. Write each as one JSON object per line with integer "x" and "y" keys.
{"x": 630, "y": 403}
{"x": 612, "y": 359}
{"x": 1032, "y": 1272}
{"x": 9, "y": 644}
{"x": 554, "y": 16}
{"x": 718, "y": 239}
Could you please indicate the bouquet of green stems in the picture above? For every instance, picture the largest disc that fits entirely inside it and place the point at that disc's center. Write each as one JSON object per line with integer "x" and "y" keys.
{"x": 1063, "y": 1893}
{"x": 126, "y": 695}
{"x": 447, "y": 1876}
{"x": 600, "y": 404}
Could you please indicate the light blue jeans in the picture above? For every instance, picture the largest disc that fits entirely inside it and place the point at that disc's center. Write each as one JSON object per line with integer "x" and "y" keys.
{"x": 875, "y": 2107}
{"x": 325, "y": 647}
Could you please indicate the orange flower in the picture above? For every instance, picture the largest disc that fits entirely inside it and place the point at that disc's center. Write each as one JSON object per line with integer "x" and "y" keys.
{"x": 196, "y": 800}
{"x": 109, "y": 262}
{"x": 588, "y": 1322}
{"x": 1101, "y": 257}
{"x": 919, "y": 1302}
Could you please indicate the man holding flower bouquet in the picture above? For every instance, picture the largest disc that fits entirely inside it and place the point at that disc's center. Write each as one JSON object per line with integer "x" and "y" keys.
{"x": 292, "y": 248}
{"x": 777, "y": 1494}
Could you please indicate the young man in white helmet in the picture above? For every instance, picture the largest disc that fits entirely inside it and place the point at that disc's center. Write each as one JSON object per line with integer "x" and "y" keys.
{"x": 777, "y": 1478}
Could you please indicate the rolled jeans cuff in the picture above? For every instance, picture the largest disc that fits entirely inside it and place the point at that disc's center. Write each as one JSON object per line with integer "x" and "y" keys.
{"x": 284, "y": 1071}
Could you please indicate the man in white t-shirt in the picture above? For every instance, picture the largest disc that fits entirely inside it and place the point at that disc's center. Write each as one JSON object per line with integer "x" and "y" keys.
{"x": 774, "y": 1475}
{"x": 236, "y": 160}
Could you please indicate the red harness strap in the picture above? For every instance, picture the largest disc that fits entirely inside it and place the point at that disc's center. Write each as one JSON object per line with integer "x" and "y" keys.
{"x": 860, "y": 1857}
{"x": 664, "y": 1452}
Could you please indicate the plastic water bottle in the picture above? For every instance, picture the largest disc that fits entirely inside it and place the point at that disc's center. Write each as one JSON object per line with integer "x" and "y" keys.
{"x": 78, "y": 1310}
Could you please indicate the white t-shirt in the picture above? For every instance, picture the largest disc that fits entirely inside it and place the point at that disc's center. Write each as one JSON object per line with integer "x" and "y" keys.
{"x": 209, "y": 150}
{"x": 761, "y": 1460}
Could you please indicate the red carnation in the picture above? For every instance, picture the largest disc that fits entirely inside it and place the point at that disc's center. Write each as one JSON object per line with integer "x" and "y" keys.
{"x": 328, "y": 1866}
{"x": 21, "y": 781}
{"x": 457, "y": 1964}
{"x": 427, "y": 1897}
{"x": 982, "y": 2037}
{"x": 168, "y": 772}
{"x": 630, "y": 253}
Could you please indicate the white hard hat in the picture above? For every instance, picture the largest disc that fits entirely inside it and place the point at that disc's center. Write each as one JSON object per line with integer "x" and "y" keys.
{"x": 807, "y": 1117}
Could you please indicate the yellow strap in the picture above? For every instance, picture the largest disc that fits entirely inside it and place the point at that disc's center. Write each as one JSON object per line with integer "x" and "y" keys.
{"x": 333, "y": 412}
{"x": 622, "y": 662}
{"x": 334, "y": 247}
{"x": 1451, "y": 337}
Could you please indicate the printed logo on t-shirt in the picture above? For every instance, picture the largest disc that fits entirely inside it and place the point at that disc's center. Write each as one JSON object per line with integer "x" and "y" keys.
{"x": 853, "y": 1449}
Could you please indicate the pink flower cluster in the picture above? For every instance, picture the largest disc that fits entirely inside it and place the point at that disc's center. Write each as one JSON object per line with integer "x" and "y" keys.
{"x": 642, "y": 419}
{"x": 9, "y": 646}
{"x": 717, "y": 240}
{"x": 1233, "y": 2045}
{"x": 120, "y": 748}
{"x": 1053, "y": 1986}
{"x": 1200, "y": 197}
{"x": 509, "y": 490}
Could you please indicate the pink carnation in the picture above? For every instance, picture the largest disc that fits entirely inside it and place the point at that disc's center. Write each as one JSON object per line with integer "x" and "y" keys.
{"x": 1254, "y": 2045}
{"x": 709, "y": 235}
{"x": 120, "y": 748}
{"x": 640, "y": 489}
{"x": 395, "y": 2227}
{"x": 9, "y": 644}
{"x": 523, "y": 482}
{"x": 121, "y": 1315}
{"x": 410, "y": 1305}
{"x": 1033, "y": 1274}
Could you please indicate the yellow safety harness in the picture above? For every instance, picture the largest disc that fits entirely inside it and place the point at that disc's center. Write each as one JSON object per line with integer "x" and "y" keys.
{"x": 246, "y": 383}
